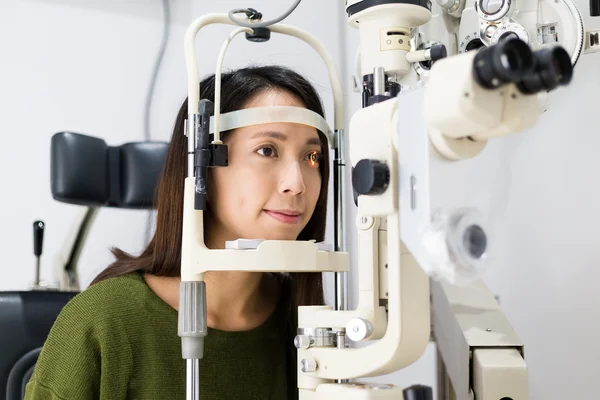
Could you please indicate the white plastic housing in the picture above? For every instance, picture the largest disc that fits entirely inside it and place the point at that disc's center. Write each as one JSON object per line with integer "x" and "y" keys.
{"x": 461, "y": 115}
{"x": 354, "y": 391}
{"x": 407, "y": 334}
{"x": 377, "y": 25}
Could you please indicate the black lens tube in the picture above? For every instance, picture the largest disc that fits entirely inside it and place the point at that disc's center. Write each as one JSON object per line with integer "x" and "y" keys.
{"x": 507, "y": 61}
{"x": 553, "y": 68}
{"x": 595, "y": 8}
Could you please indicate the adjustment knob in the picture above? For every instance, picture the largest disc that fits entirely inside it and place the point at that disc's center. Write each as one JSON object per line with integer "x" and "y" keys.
{"x": 358, "y": 329}
{"x": 302, "y": 342}
{"x": 308, "y": 365}
{"x": 418, "y": 392}
{"x": 370, "y": 177}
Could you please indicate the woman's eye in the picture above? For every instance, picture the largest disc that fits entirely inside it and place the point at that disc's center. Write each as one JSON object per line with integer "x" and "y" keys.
{"x": 314, "y": 158}
{"x": 266, "y": 151}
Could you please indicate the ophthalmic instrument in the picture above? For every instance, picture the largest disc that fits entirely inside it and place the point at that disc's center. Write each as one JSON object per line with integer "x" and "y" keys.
{"x": 436, "y": 80}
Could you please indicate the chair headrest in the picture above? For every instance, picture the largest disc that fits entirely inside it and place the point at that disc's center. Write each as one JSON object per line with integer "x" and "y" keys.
{"x": 86, "y": 171}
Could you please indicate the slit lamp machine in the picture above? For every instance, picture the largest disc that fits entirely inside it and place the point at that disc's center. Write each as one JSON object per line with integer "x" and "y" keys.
{"x": 437, "y": 80}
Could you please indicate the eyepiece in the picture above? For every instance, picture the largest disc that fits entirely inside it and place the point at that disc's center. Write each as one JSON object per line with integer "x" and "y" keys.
{"x": 507, "y": 61}
{"x": 553, "y": 68}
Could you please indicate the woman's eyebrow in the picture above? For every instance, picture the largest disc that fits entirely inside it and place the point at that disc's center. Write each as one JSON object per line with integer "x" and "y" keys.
{"x": 282, "y": 137}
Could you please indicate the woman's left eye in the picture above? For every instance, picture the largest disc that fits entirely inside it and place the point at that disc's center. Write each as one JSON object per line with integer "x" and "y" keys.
{"x": 314, "y": 158}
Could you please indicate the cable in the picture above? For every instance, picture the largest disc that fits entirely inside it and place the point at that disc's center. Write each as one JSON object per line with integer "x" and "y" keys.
{"x": 150, "y": 94}
{"x": 253, "y": 14}
{"x": 155, "y": 69}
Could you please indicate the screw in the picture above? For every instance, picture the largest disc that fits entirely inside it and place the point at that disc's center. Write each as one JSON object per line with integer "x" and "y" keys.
{"x": 488, "y": 330}
{"x": 363, "y": 220}
{"x": 400, "y": 41}
{"x": 386, "y": 266}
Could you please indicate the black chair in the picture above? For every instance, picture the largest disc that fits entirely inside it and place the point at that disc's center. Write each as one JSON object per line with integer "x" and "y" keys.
{"x": 84, "y": 171}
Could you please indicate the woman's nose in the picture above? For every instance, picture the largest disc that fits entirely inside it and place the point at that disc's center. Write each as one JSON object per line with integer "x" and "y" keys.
{"x": 292, "y": 180}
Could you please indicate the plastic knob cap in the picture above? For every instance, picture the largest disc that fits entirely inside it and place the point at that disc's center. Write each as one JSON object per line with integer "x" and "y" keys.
{"x": 438, "y": 52}
{"x": 309, "y": 365}
{"x": 370, "y": 177}
{"x": 418, "y": 392}
{"x": 302, "y": 342}
{"x": 358, "y": 329}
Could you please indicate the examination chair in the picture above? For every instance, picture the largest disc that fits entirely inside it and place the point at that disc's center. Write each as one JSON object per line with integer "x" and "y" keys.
{"x": 85, "y": 171}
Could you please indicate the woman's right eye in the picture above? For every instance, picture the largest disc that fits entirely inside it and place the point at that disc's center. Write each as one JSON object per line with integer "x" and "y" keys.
{"x": 266, "y": 151}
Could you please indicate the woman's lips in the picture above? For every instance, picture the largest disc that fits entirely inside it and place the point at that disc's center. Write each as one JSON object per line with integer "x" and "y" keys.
{"x": 291, "y": 218}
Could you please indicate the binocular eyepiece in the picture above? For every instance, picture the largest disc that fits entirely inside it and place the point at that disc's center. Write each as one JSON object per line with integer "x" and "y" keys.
{"x": 512, "y": 61}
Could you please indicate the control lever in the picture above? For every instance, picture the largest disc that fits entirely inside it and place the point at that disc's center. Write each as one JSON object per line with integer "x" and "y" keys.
{"x": 38, "y": 244}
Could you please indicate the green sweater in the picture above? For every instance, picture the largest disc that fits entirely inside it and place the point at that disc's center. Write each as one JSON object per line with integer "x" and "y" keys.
{"x": 118, "y": 340}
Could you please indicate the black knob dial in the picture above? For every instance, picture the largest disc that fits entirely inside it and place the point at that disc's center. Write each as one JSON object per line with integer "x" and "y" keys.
{"x": 370, "y": 177}
{"x": 418, "y": 392}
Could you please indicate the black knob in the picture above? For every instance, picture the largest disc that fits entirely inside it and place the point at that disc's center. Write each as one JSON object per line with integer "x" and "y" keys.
{"x": 370, "y": 177}
{"x": 438, "y": 52}
{"x": 418, "y": 392}
{"x": 38, "y": 237}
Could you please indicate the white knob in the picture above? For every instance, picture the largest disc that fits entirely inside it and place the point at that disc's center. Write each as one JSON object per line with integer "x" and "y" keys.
{"x": 302, "y": 342}
{"x": 309, "y": 365}
{"x": 359, "y": 329}
{"x": 447, "y": 4}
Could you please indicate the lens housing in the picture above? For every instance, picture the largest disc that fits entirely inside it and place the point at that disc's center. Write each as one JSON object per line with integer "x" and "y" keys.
{"x": 553, "y": 68}
{"x": 507, "y": 61}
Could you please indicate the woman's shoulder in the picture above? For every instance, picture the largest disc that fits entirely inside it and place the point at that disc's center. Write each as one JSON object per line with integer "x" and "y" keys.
{"x": 93, "y": 328}
{"x": 110, "y": 292}
{"x": 106, "y": 301}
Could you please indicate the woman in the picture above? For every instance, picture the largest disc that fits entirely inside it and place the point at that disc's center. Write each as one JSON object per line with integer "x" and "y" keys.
{"x": 118, "y": 338}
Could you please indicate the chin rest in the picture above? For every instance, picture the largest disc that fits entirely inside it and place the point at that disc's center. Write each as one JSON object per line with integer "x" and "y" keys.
{"x": 86, "y": 171}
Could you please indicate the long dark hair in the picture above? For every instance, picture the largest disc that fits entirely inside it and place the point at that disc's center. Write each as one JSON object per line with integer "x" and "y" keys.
{"x": 162, "y": 256}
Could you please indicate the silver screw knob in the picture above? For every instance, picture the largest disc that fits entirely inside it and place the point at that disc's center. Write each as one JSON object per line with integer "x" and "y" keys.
{"x": 302, "y": 342}
{"x": 308, "y": 365}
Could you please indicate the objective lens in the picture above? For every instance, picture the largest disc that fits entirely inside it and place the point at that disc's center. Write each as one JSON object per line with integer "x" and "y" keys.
{"x": 552, "y": 68}
{"x": 475, "y": 241}
{"x": 504, "y": 62}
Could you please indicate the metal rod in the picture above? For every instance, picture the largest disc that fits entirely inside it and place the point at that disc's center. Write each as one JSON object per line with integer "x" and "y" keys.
{"x": 378, "y": 81}
{"x": 193, "y": 379}
{"x": 191, "y": 129}
{"x": 341, "y": 345}
{"x": 37, "y": 271}
{"x": 339, "y": 231}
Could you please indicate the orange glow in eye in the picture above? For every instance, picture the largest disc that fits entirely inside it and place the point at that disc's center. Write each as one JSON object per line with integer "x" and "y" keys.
{"x": 313, "y": 159}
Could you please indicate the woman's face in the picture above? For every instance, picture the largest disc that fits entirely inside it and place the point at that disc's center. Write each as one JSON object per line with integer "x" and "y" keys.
{"x": 270, "y": 187}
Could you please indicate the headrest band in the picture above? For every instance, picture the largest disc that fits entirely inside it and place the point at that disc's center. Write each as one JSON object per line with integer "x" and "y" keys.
{"x": 265, "y": 115}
